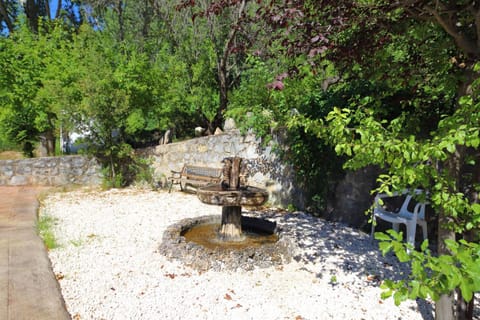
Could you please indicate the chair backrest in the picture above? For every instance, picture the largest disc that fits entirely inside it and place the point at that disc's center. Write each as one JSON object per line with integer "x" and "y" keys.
{"x": 418, "y": 211}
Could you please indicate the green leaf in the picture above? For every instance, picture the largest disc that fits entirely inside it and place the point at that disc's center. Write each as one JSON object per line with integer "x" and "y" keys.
{"x": 466, "y": 289}
{"x": 382, "y": 236}
{"x": 385, "y": 247}
{"x": 402, "y": 255}
{"x": 451, "y": 147}
{"x": 415, "y": 290}
{"x": 424, "y": 292}
{"x": 386, "y": 294}
{"x": 424, "y": 245}
{"x": 476, "y": 208}
{"x": 475, "y": 142}
{"x": 399, "y": 297}
{"x": 452, "y": 245}
{"x": 398, "y": 236}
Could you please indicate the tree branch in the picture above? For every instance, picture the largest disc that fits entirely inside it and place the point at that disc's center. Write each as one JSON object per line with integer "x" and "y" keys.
{"x": 477, "y": 26}
{"x": 463, "y": 42}
{"x": 4, "y": 14}
{"x": 233, "y": 30}
{"x": 59, "y": 9}
{"x": 47, "y": 8}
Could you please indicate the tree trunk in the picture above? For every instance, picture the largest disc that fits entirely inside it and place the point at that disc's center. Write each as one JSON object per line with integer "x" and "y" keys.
{"x": 59, "y": 9}
{"x": 222, "y": 68}
{"x": 50, "y": 143}
{"x": 121, "y": 31}
{"x": 28, "y": 149}
{"x": 147, "y": 17}
{"x": 47, "y": 9}
{"x": 32, "y": 12}
{"x": 465, "y": 309}
{"x": 445, "y": 306}
{"x": 470, "y": 307}
{"x": 6, "y": 17}
{"x": 223, "y": 95}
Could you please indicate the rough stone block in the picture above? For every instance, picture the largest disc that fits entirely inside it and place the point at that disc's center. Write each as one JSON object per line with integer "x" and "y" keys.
{"x": 6, "y": 171}
{"x": 78, "y": 162}
{"x": 77, "y": 172}
{"x": 59, "y": 180}
{"x": 41, "y": 171}
{"x": 19, "y": 181}
{"x": 202, "y": 148}
{"x": 24, "y": 169}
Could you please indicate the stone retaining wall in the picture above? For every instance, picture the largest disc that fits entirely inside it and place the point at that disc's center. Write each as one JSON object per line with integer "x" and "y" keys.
{"x": 264, "y": 168}
{"x": 50, "y": 171}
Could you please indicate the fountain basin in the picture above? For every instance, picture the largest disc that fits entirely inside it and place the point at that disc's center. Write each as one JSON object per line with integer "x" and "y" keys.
{"x": 223, "y": 256}
{"x": 243, "y": 196}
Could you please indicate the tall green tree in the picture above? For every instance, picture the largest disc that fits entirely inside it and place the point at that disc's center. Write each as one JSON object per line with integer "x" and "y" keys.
{"x": 417, "y": 60}
{"x": 229, "y": 29}
{"x": 29, "y": 61}
{"x": 182, "y": 64}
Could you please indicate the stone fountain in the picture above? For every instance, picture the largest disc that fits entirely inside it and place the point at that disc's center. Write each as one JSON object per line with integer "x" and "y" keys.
{"x": 233, "y": 240}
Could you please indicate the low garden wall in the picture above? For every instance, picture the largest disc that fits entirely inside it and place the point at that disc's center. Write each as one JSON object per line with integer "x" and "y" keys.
{"x": 348, "y": 204}
{"x": 265, "y": 170}
{"x": 50, "y": 171}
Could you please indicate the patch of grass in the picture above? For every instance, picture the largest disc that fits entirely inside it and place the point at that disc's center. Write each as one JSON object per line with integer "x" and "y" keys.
{"x": 11, "y": 155}
{"x": 291, "y": 208}
{"x": 76, "y": 243}
{"x": 44, "y": 228}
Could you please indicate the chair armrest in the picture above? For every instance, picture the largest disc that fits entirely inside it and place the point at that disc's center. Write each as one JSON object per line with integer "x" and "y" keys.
{"x": 419, "y": 210}
{"x": 176, "y": 174}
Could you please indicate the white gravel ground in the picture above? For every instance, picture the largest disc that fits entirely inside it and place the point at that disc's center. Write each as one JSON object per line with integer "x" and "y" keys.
{"x": 109, "y": 268}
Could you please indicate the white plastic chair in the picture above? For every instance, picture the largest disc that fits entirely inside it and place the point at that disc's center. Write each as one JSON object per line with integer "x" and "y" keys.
{"x": 409, "y": 218}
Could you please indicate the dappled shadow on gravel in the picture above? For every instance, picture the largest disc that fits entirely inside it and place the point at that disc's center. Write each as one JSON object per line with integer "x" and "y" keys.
{"x": 320, "y": 243}
{"x": 329, "y": 248}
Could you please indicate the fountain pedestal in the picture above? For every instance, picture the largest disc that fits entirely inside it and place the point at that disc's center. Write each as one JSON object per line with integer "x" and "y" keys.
{"x": 231, "y": 224}
{"x": 231, "y": 194}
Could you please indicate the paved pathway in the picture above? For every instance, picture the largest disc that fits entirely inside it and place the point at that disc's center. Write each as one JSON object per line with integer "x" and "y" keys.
{"x": 28, "y": 289}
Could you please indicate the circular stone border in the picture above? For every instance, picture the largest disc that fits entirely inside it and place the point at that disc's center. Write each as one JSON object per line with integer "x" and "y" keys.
{"x": 175, "y": 247}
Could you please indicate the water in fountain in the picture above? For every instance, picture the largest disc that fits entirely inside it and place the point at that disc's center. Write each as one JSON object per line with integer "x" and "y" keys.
{"x": 207, "y": 235}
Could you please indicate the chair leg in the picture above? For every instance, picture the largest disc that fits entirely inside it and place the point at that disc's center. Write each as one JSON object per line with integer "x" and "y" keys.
{"x": 423, "y": 224}
{"x": 374, "y": 221}
{"x": 396, "y": 227}
{"x": 411, "y": 229}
